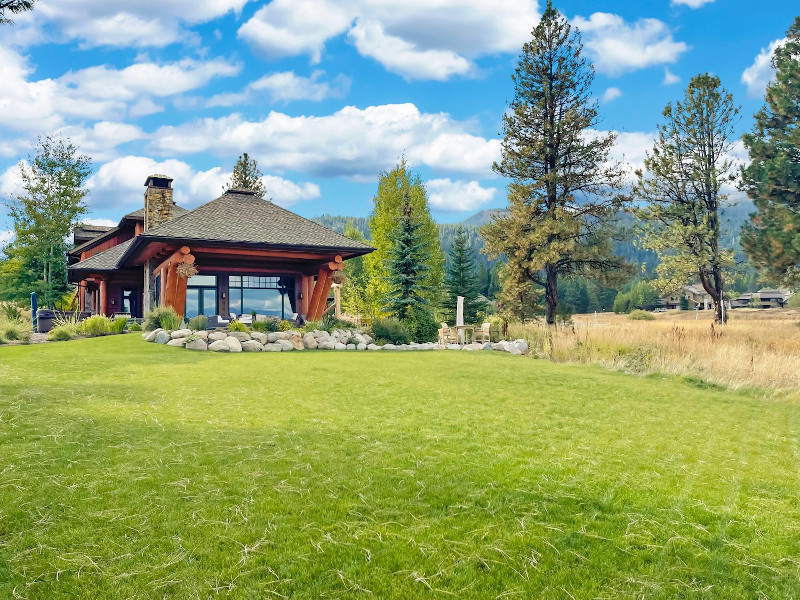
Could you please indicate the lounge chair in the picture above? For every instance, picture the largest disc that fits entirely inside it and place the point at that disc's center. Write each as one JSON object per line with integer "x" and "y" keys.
{"x": 484, "y": 334}
{"x": 216, "y": 321}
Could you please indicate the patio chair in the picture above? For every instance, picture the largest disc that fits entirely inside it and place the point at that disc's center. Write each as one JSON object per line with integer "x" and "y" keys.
{"x": 246, "y": 319}
{"x": 484, "y": 334}
{"x": 447, "y": 335}
{"x": 216, "y": 321}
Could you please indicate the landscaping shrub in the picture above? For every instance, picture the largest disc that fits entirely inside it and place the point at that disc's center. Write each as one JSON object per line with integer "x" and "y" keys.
{"x": 641, "y": 315}
{"x": 237, "y": 326}
{"x": 118, "y": 325}
{"x": 330, "y": 323}
{"x": 268, "y": 326}
{"x": 423, "y": 327}
{"x": 164, "y": 317}
{"x": 312, "y": 326}
{"x": 10, "y": 311}
{"x": 16, "y": 330}
{"x": 134, "y": 326}
{"x": 284, "y": 325}
{"x": 95, "y": 325}
{"x": 68, "y": 322}
{"x": 198, "y": 323}
{"x": 390, "y": 331}
{"x": 61, "y": 333}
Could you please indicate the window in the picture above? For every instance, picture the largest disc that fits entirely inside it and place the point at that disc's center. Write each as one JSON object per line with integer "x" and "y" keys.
{"x": 201, "y": 296}
{"x": 264, "y": 295}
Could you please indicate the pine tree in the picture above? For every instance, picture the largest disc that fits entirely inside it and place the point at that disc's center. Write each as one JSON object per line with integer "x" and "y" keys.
{"x": 682, "y": 186}
{"x": 247, "y": 176}
{"x": 43, "y": 216}
{"x": 462, "y": 280}
{"x": 14, "y": 7}
{"x": 394, "y": 187}
{"x": 408, "y": 267}
{"x": 562, "y": 196}
{"x": 518, "y": 298}
{"x": 772, "y": 179}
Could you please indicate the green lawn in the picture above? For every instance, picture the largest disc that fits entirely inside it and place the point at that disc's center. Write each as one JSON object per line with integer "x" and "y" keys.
{"x": 134, "y": 470}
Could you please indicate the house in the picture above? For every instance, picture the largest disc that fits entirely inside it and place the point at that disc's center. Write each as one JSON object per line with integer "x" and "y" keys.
{"x": 763, "y": 298}
{"x": 695, "y": 296}
{"x": 235, "y": 254}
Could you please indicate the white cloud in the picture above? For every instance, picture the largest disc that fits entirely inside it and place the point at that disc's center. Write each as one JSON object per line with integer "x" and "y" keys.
{"x": 404, "y": 37}
{"x": 100, "y": 141}
{"x": 458, "y": 196}
{"x": 669, "y": 77}
{"x": 100, "y": 222}
{"x": 119, "y": 184}
{"x": 6, "y": 236}
{"x": 285, "y": 87}
{"x": 758, "y": 75}
{"x": 404, "y": 58}
{"x": 10, "y": 182}
{"x": 618, "y": 47}
{"x": 611, "y": 94}
{"x": 352, "y": 142}
{"x": 693, "y": 3}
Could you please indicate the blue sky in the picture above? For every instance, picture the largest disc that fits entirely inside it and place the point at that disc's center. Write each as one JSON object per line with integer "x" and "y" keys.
{"x": 327, "y": 93}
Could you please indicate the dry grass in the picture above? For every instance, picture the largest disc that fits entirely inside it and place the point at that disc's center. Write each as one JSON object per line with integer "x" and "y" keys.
{"x": 757, "y": 348}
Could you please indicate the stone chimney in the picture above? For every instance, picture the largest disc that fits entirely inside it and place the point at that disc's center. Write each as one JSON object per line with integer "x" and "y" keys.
{"x": 159, "y": 207}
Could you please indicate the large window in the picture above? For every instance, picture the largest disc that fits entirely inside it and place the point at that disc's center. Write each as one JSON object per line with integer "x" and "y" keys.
{"x": 201, "y": 296}
{"x": 264, "y": 295}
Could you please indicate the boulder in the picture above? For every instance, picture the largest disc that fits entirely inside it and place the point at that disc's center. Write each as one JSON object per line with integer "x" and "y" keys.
{"x": 282, "y": 335}
{"x": 202, "y": 334}
{"x": 218, "y": 346}
{"x": 373, "y": 347}
{"x": 151, "y": 336}
{"x": 217, "y": 336}
{"x": 453, "y": 347}
{"x": 234, "y": 345}
{"x": 162, "y": 337}
{"x": 242, "y": 336}
{"x": 522, "y": 345}
{"x": 325, "y": 345}
{"x": 197, "y": 344}
{"x": 296, "y": 340}
{"x": 273, "y": 347}
{"x": 389, "y": 347}
{"x": 368, "y": 339}
{"x": 359, "y": 339}
{"x": 339, "y": 346}
{"x": 309, "y": 341}
{"x": 251, "y": 346}
{"x": 286, "y": 345}
{"x": 261, "y": 338}
{"x": 498, "y": 346}
{"x": 487, "y": 346}
{"x": 180, "y": 333}
{"x": 180, "y": 342}
{"x": 361, "y": 346}
{"x": 272, "y": 337}
{"x": 351, "y": 346}
{"x": 510, "y": 348}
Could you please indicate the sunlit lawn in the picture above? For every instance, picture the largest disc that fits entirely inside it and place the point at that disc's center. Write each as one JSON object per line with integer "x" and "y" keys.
{"x": 134, "y": 470}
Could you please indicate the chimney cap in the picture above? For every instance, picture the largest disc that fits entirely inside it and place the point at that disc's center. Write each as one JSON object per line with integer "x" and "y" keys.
{"x": 158, "y": 180}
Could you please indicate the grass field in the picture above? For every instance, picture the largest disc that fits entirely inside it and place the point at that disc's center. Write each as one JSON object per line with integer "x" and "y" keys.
{"x": 136, "y": 470}
{"x": 756, "y": 348}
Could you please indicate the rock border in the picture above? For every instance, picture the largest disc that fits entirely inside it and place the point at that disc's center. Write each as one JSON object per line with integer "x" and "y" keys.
{"x": 286, "y": 341}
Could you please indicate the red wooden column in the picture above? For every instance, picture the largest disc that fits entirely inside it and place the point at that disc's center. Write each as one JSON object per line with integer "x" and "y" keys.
{"x": 103, "y": 308}
{"x": 82, "y": 296}
{"x": 322, "y": 276}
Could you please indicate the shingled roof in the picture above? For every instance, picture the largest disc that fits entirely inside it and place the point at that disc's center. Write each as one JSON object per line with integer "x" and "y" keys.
{"x": 107, "y": 260}
{"x": 239, "y": 217}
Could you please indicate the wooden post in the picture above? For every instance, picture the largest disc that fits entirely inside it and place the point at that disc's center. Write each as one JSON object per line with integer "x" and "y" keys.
{"x": 313, "y": 310}
{"x": 337, "y": 301}
{"x": 323, "y": 298}
{"x": 82, "y": 296}
{"x": 180, "y": 292}
{"x": 103, "y": 308}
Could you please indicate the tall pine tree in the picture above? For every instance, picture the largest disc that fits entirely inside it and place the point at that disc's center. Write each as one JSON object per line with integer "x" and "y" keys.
{"x": 462, "y": 280}
{"x": 562, "y": 196}
{"x": 408, "y": 267}
{"x": 247, "y": 176}
{"x": 772, "y": 179}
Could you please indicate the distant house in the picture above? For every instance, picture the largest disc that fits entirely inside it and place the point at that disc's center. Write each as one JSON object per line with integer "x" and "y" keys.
{"x": 236, "y": 254}
{"x": 694, "y": 294}
{"x": 763, "y": 298}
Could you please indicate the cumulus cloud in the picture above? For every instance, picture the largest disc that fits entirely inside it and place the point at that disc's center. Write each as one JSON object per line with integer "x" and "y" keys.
{"x": 611, "y": 94}
{"x": 757, "y": 76}
{"x": 351, "y": 142}
{"x": 285, "y": 87}
{"x": 692, "y": 3}
{"x": 6, "y": 236}
{"x": 119, "y": 184}
{"x": 458, "y": 196}
{"x": 618, "y": 47}
{"x": 100, "y": 222}
{"x": 418, "y": 39}
{"x": 669, "y": 77}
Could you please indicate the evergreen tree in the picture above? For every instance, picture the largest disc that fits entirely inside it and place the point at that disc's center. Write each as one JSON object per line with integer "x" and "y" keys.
{"x": 772, "y": 179}
{"x": 408, "y": 267}
{"x": 682, "y": 184}
{"x": 518, "y": 298}
{"x": 562, "y": 192}
{"x": 13, "y": 7}
{"x": 43, "y": 216}
{"x": 462, "y": 280}
{"x": 247, "y": 176}
{"x": 394, "y": 187}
